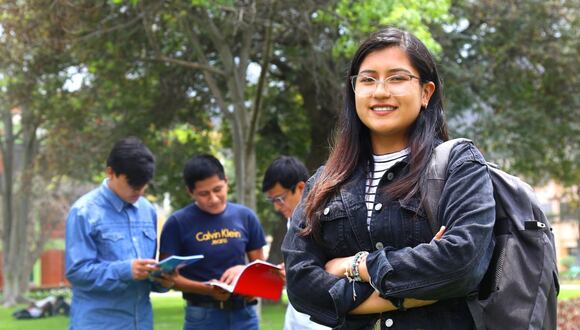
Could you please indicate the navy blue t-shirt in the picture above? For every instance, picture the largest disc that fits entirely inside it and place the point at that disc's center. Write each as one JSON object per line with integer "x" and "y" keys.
{"x": 223, "y": 239}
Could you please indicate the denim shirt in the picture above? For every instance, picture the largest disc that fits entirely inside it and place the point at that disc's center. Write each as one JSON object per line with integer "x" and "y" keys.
{"x": 103, "y": 235}
{"x": 404, "y": 260}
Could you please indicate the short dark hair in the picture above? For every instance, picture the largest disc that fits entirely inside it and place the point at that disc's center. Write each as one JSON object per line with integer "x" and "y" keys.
{"x": 287, "y": 171}
{"x": 201, "y": 167}
{"x": 131, "y": 157}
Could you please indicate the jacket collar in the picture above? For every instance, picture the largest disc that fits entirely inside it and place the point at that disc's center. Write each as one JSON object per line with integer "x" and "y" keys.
{"x": 114, "y": 199}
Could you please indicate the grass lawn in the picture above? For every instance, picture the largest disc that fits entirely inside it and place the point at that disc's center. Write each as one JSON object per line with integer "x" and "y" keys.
{"x": 569, "y": 293}
{"x": 168, "y": 314}
{"x": 167, "y": 311}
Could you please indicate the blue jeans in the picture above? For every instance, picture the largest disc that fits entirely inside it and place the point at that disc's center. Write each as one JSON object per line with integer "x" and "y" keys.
{"x": 200, "y": 318}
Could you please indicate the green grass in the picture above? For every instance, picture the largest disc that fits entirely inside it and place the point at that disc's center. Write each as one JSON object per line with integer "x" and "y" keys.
{"x": 568, "y": 293}
{"x": 167, "y": 311}
{"x": 272, "y": 316}
{"x": 10, "y": 323}
{"x": 168, "y": 315}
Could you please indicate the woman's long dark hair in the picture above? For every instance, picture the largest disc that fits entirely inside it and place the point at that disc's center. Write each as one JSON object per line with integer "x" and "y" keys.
{"x": 352, "y": 143}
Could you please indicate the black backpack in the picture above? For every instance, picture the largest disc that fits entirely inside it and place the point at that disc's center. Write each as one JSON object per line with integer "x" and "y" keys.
{"x": 520, "y": 287}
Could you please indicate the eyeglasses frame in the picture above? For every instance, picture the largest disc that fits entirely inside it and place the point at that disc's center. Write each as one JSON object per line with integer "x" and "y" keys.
{"x": 380, "y": 81}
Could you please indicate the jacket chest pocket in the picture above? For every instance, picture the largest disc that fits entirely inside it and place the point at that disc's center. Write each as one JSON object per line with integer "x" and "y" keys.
{"x": 415, "y": 224}
{"x": 333, "y": 222}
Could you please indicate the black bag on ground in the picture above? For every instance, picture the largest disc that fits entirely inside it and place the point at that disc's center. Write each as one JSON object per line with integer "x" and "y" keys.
{"x": 22, "y": 314}
{"x": 60, "y": 307}
{"x": 520, "y": 287}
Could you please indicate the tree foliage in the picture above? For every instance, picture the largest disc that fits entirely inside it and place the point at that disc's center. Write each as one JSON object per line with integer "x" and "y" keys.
{"x": 250, "y": 80}
{"x": 511, "y": 73}
{"x": 31, "y": 95}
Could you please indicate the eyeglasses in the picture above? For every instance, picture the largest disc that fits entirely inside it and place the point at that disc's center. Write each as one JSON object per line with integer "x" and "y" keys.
{"x": 398, "y": 84}
{"x": 280, "y": 199}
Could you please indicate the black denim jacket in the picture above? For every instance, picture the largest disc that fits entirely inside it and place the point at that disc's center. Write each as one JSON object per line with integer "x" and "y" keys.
{"x": 404, "y": 261}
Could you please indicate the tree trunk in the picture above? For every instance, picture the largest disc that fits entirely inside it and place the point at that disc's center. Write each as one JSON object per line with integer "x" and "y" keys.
{"x": 245, "y": 166}
{"x": 15, "y": 212}
{"x": 275, "y": 256}
{"x": 17, "y": 258}
{"x": 323, "y": 116}
{"x": 11, "y": 284}
{"x": 7, "y": 186}
{"x": 250, "y": 178}
{"x": 12, "y": 290}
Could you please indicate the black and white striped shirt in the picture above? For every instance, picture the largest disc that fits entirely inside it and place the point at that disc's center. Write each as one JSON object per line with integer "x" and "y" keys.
{"x": 381, "y": 164}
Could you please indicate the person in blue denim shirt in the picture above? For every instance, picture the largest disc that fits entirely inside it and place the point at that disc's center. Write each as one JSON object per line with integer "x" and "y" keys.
{"x": 360, "y": 253}
{"x": 111, "y": 241}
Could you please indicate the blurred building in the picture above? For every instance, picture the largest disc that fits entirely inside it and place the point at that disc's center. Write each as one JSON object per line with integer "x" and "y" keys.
{"x": 562, "y": 208}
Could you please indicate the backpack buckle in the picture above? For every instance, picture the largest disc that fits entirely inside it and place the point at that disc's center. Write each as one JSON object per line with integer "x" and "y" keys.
{"x": 534, "y": 225}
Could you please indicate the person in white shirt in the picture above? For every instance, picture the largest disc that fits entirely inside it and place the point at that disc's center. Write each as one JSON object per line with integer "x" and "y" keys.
{"x": 283, "y": 184}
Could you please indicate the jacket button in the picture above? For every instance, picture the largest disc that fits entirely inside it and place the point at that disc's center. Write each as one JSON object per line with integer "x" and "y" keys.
{"x": 326, "y": 211}
{"x": 379, "y": 245}
{"x": 389, "y": 323}
{"x": 378, "y": 206}
{"x": 390, "y": 176}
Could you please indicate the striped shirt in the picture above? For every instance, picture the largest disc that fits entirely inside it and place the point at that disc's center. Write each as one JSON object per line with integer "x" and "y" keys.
{"x": 382, "y": 163}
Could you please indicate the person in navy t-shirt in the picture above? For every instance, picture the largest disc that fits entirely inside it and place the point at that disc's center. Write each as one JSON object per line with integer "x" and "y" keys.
{"x": 225, "y": 233}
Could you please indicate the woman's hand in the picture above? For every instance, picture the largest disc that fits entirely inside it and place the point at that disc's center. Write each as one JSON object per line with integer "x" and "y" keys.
{"x": 338, "y": 266}
{"x": 439, "y": 233}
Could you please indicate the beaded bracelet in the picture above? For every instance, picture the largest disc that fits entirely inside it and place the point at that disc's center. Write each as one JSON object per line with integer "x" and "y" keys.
{"x": 355, "y": 271}
{"x": 349, "y": 272}
{"x": 352, "y": 273}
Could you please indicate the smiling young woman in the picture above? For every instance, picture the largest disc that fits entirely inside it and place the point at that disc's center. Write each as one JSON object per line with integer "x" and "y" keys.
{"x": 388, "y": 112}
{"x": 359, "y": 245}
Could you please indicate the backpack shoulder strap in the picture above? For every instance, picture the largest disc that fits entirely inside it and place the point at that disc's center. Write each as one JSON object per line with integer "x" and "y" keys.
{"x": 434, "y": 180}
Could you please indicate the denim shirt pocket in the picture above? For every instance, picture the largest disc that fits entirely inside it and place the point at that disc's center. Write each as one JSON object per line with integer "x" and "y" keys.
{"x": 149, "y": 242}
{"x": 112, "y": 245}
{"x": 112, "y": 236}
{"x": 414, "y": 221}
{"x": 333, "y": 220}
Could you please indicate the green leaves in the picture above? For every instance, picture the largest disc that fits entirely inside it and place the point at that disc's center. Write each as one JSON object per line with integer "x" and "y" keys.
{"x": 356, "y": 20}
{"x": 509, "y": 69}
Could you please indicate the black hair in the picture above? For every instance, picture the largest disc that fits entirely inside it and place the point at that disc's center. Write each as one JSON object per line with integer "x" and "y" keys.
{"x": 287, "y": 171}
{"x": 132, "y": 158}
{"x": 352, "y": 144}
{"x": 201, "y": 167}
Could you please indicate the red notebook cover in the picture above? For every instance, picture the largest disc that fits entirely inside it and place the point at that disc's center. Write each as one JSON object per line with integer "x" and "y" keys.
{"x": 258, "y": 279}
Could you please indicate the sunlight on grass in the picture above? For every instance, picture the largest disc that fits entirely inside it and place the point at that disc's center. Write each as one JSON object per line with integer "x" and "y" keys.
{"x": 566, "y": 293}
{"x": 167, "y": 313}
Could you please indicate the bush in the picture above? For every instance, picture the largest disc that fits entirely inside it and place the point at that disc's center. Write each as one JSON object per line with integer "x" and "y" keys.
{"x": 568, "y": 314}
{"x": 38, "y": 294}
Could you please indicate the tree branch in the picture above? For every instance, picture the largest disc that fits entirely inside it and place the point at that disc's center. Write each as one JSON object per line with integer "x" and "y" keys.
{"x": 209, "y": 79}
{"x": 262, "y": 80}
{"x": 191, "y": 65}
{"x": 99, "y": 32}
{"x": 234, "y": 82}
